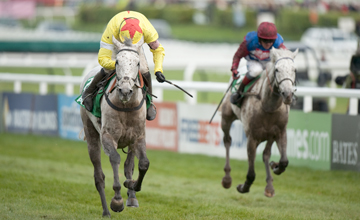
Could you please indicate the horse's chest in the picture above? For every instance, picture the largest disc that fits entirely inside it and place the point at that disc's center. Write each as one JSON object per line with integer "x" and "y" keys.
{"x": 261, "y": 126}
{"x": 125, "y": 131}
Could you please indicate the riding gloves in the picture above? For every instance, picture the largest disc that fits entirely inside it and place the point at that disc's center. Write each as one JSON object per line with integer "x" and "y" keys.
{"x": 160, "y": 77}
{"x": 235, "y": 74}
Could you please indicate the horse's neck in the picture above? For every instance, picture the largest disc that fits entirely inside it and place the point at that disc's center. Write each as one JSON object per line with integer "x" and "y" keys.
{"x": 270, "y": 98}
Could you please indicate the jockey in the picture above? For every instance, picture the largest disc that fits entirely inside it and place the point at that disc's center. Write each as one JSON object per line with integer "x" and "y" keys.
{"x": 134, "y": 25}
{"x": 255, "y": 48}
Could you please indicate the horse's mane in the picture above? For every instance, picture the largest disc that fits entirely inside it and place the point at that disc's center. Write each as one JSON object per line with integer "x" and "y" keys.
{"x": 128, "y": 42}
{"x": 274, "y": 58}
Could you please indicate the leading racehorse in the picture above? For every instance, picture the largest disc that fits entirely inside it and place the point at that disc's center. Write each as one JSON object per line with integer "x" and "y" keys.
{"x": 264, "y": 114}
{"x": 122, "y": 124}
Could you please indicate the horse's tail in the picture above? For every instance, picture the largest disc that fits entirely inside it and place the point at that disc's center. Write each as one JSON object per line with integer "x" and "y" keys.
{"x": 82, "y": 133}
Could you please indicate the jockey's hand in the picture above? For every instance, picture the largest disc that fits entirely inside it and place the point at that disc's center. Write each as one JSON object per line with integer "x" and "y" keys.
{"x": 235, "y": 74}
{"x": 160, "y": 77}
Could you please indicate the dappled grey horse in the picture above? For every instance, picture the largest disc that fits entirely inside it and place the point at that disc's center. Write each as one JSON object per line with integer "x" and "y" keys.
{"x": 264, "y": 114}
{"x": 122, "y": 124}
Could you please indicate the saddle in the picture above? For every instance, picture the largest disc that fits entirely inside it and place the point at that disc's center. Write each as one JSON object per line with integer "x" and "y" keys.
{"x": 236, "y": 83}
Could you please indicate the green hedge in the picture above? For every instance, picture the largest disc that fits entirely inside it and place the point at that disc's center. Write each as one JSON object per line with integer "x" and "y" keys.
{"x": 290, "y": 23}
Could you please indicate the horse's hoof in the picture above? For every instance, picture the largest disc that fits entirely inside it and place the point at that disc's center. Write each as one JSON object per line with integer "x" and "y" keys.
{"x": 132, "y": 202}
{"x": 269, "y": 193}
{"x": 117, "y": 205}
{"x": 241, "y": 188}
{"x": 226, "y": 182}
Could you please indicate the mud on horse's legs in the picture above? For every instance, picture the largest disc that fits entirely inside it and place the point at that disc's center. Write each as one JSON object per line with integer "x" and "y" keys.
{"x": 129, "y": 171}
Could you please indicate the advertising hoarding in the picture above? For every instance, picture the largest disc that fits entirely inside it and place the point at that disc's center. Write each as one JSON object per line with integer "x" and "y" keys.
{"x": 345, "y": 153}
{"x": 161, "y": 133}
{"x": 308, "y": 140}
{"x": 70, "y": 124}
{"x": 197, "y": 136}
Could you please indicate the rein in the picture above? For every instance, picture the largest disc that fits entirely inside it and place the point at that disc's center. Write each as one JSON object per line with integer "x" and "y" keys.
{"x": 123, "y": 109}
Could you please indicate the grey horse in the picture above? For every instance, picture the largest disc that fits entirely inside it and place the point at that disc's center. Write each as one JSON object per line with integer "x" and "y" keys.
{"x": 122, "y": 124}
{"x": 264, "y": 114}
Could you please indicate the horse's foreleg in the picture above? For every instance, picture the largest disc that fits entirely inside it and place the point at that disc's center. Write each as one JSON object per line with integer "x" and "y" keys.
{"x": 143, "y": 166}
{"x": 129, "y": 170}
{"x": 94, "y": 150}
{"x": 250, "y": 177}
{"x": 280, "y": 167}
{"x": 110, "y": 146}
{"x": 269, "y": 189}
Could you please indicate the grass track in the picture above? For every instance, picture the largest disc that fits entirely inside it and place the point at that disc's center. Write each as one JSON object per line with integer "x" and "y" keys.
{"x": 52, "y": 178}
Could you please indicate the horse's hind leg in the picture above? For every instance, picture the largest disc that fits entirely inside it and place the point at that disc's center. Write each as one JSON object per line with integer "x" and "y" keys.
{"x": 269, "y": 189}
{"x": 140, "y": 150}
{"x": 280, "y": 167}
{"x": 110, "y": 146}
{"x": 250, "y": 177}
{"x": 94, "y": 149}
{"x": 227, "y": 118}
{"x": 129, "y": 170}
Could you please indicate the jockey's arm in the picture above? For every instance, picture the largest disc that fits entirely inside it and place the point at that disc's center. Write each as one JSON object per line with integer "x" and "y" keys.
{"x": 241, "y": 52}
{"x": 158, "y": 55}
{"x": 107, "y": 47}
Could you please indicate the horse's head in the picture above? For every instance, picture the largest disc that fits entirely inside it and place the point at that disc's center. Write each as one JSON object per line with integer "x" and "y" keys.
{"x": 127, "y": 67}
{"x": 284, "y": 72}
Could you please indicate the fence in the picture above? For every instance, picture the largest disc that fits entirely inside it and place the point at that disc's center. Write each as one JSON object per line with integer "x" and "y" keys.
{"x": 70, "y": 81}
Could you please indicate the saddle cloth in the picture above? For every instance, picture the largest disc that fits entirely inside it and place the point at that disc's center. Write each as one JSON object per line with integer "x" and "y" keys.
{"x": 236, "y": 83}
{"x": 96, "y": 111}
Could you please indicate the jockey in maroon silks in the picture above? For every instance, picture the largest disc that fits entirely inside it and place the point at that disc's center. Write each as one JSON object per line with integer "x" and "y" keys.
{"x": 255, "y": 48}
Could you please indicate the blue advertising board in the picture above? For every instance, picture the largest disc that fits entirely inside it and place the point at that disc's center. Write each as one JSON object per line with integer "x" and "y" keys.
{"x": 17, "y": 112}
{"x": 44, "y": 118}
{"x": 70, "y": 124}
{"x": 28, "y": 113}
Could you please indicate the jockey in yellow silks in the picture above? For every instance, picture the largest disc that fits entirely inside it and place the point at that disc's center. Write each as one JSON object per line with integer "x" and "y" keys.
{"x": 134, "y": 25}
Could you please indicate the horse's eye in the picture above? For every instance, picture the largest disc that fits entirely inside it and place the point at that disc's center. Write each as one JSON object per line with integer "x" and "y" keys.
{"x": 276, "y": 70}
{"x": 116, "y": 62}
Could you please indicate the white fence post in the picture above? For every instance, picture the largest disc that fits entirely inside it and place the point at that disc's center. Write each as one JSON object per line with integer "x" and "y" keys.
{"x": 43, "y": 88}
{"x": 17, "y": 86}
{"x": 308, "y": 106}
{"x": 353, "y": 106}
{"x": 188, "y": 76}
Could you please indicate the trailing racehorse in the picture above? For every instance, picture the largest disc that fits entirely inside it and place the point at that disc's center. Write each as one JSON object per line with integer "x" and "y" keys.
{"x": 121, "y": 125}
{"x": 264, "y": 114}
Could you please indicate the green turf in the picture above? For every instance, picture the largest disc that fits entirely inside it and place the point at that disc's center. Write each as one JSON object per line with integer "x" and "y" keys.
{"x": 52, "y": 178}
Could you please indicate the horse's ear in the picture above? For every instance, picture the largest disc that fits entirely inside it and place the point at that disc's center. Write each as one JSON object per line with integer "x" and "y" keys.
{"x": 273, "y": 54}
{"x": 295, "y": 53}
{"x": 116, "y": 42}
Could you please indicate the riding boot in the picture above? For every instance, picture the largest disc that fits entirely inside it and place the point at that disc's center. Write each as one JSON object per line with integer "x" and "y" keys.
{"x": 236, "y": 96}
{"x": 89, "y": 93}
{"x": 151, "y": 111}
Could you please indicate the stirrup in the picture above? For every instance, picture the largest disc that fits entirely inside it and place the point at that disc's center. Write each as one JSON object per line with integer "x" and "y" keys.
{"x": 235, "y": 98}
{"x": 151, "y": 112}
